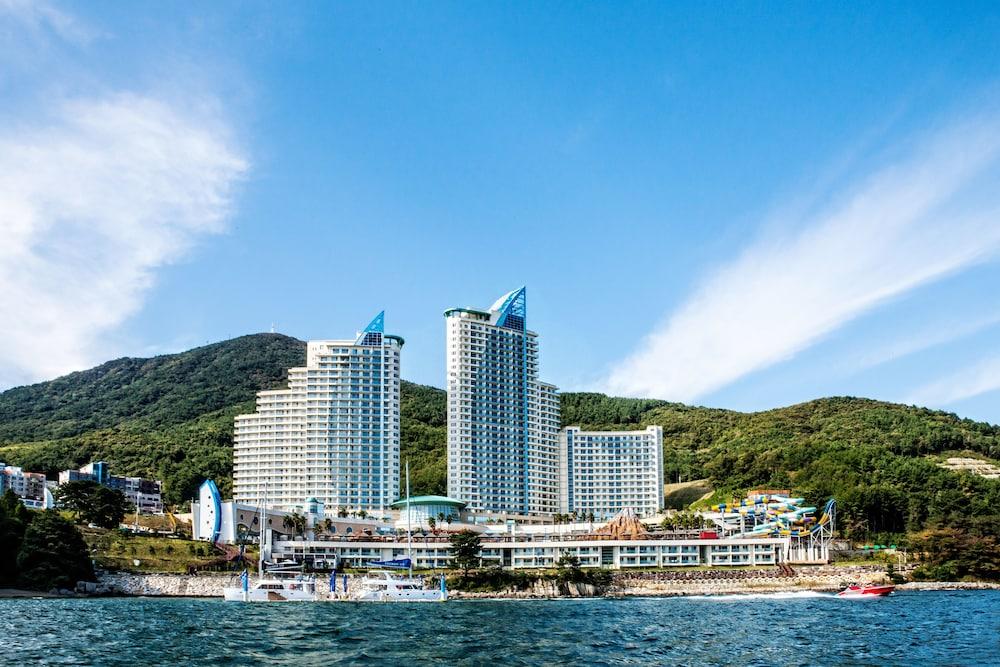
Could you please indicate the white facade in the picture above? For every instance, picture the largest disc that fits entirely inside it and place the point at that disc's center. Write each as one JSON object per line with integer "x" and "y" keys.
{"x": 605, "y": 472}
{"x": 27, "y": 485}
{"x": 502, "y": 422}
{"x": 333, "y": 434}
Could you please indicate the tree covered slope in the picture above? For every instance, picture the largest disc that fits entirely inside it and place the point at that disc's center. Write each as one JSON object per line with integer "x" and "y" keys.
{"x": 878, "y": 459}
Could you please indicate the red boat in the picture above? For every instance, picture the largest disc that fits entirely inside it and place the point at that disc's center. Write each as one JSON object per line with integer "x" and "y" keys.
{"x": 866, "y": 591}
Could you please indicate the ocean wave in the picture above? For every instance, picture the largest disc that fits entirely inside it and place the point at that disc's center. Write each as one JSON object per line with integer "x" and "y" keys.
{"x": 787, "y": 595}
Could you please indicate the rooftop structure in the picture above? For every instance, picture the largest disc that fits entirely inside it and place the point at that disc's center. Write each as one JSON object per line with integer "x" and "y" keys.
{"x": 625, "y": 526}
{"x": 422, "y": 511}
{"x": 767, "y": 514}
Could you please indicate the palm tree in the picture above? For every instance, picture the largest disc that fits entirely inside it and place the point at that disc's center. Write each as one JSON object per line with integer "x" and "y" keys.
{"x": 362, "y": 514}
{"x": 295, "y": 522}
{"x": 432, "y": 523}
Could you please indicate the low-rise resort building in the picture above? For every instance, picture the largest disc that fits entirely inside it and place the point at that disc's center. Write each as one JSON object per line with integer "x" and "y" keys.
{"x": 308, "y": 535}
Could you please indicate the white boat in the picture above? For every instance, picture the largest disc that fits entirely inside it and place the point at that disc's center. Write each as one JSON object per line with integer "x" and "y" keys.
{"x": 270, "y": 588}
{"x": 383, "y": 586}
{"x": 297, "y": 589}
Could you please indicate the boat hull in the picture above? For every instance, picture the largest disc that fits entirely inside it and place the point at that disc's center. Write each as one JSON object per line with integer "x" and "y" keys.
{"x": 382, "y": 586}
{"x": 866, "y": 591}
{"x": 257, "y": 595}
{"x": 402, "y": 596}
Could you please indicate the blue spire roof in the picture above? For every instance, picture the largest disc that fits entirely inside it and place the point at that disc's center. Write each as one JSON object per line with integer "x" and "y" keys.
{"x": 512, "y": 309}
{"x": 372, "y": 334}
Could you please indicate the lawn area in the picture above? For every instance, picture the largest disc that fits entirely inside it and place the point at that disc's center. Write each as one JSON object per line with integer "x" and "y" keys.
{"x": 680, "y": 496}
{"x": 117, "y": 550}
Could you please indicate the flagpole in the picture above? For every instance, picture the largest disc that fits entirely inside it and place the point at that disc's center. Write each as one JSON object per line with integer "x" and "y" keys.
{"x": 263, "y": 533}
{"x": 409, "y": 513}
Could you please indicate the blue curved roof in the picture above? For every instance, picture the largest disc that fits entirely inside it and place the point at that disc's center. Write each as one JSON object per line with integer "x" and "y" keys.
{"x": 429, "y": 500}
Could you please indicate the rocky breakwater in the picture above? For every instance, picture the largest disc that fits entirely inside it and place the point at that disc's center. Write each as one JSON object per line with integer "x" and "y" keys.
{"x": 162, "y": 584}
{"x": 539, "y": 590}
{"x": 949, "y": 586}
{"x": 730, "y": 582}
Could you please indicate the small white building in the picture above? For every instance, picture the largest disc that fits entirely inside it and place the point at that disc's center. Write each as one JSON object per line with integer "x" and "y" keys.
{"x": 605, "y": 472}
{"x": 145, "y": 494}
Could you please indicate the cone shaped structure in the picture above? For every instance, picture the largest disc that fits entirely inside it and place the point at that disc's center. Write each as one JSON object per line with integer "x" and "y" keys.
{"x": 624, "y": 526}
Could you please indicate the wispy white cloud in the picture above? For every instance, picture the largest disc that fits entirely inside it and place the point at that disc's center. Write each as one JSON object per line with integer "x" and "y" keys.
{"x": 93, "y": 199}
{"x": 917, "y": 220}
{"x": 39, "y": 15}
{"x": 925, "y": 339}
{"x": 978, "y": 378}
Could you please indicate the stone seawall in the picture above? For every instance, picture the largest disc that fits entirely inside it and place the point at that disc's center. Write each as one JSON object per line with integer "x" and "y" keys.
{"x": 949, "y": 586}
{"x": 168, "y": 585}
{"x": 708, "y": 582}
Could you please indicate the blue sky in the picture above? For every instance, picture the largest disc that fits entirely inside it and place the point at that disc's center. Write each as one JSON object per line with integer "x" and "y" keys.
{"x": 738, "y": 205}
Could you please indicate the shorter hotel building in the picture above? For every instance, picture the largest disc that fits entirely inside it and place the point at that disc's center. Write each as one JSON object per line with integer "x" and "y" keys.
{"x": 604, "y": 472}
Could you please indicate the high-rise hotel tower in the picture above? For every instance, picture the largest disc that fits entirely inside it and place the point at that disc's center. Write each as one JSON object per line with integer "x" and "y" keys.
{"x": 333, "y": 434}
{"x": 503, "y": 423}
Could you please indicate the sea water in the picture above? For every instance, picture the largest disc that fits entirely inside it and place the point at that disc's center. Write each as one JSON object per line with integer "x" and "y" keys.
{"x": 909, "y": 628}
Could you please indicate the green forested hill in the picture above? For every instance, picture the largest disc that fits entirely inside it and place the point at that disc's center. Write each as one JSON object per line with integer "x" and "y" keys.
{"x": 172, "y": 417}
{"x": 158, "y": 392}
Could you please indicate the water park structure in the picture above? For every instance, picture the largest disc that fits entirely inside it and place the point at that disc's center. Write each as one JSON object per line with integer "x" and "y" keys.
{"x": 779, "y": 515}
